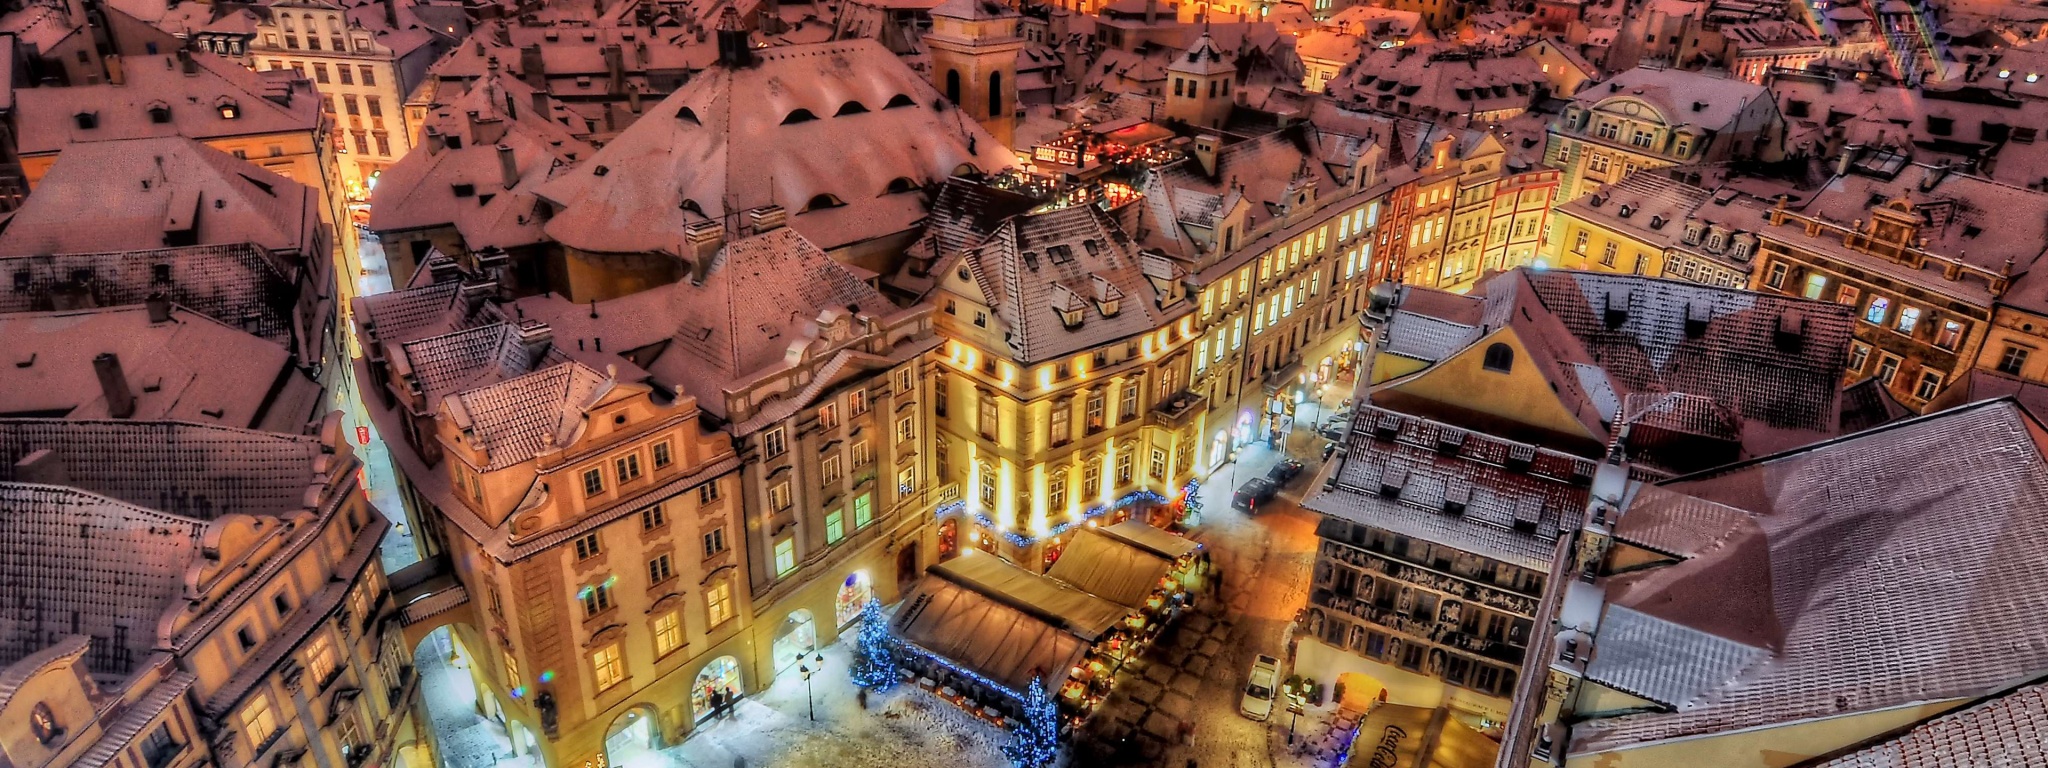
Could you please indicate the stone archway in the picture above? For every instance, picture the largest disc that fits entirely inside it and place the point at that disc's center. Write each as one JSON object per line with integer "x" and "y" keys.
{"x": 797, "y": 636}
{"x": 634, "y": 738}
{"x": 720, "y": 674}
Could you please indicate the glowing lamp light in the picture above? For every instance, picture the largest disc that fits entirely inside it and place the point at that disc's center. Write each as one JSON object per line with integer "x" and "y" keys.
{"x": 611, "y": 581}
{"x": 519, "y": 692}
{"x": 2004, "y": 73}
{"x": 547, "y": 676}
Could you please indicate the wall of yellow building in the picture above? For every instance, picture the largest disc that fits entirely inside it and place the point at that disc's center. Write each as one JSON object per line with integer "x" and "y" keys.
{"x": 1779, "y": 747}
{"x": 1628, "y": 250}
{"x": 586, "y": 276}
{"x": 1521, "y": 395}
{"x": 1387, "y": 367}
{"x": 1596, "y": 699}
{"x": 2009, "y": 328}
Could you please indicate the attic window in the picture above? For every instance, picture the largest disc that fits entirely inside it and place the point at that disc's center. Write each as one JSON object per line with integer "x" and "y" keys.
{"x": 823, "y": 201}
{"x": 159, "y": 114}
{"x": 1070, "y": 318}
{"x": 159, "y": 273}
{"x": 692, "y": 206}
{"x": 850, "y": 108}
{"x": 799, "y": 116}
{"x": 901, "y": 184}
{"x": 688, "y": 115}
{"x": 899, "y": 100}
{"x": 600, "y": 171}
{"x": 87, "y": 120}
{"x": 1061, "y": 254}
{"x": 465, "y": 190}
{"x": 229, "y": 111}
{"x": 1499, "y": 358}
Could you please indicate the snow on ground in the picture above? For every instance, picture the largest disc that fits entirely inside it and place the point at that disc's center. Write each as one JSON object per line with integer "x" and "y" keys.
{"x": 904, "y": 728}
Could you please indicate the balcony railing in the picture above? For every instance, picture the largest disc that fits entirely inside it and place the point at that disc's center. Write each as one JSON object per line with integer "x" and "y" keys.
{"x": 1179, "y": 410}
{"x": 1492, "y": 596}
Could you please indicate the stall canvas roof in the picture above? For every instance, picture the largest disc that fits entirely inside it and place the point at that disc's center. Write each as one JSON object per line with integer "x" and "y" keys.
{"x": 1142, "y": 535}
{"x": 1111, "y": 568}
{"x": 1053, "y": 602}
{"x": 977, "y": 632}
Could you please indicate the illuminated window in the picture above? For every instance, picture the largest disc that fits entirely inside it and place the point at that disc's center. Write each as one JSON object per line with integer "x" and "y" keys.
{"x": 609, "y": 668}
{"x": 668, "y": 632}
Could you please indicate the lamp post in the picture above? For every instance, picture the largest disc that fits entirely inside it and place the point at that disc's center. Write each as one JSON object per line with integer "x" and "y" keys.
{"x": 811, "y": 667}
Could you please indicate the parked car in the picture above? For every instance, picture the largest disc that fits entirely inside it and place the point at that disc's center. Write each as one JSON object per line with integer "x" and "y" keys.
{"x": 1255, "y": 493}
{"x": 1329, "y": 448}
{"x": 1283, "y": 472}
{"x": 1335, "y": 430}
{"x": 1259, "y": 692}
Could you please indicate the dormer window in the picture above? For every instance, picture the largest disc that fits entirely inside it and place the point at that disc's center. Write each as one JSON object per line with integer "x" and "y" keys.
{"x": 465, "y": 190}
{"x": 1693, "y": 230}
{"x": 902, "y": 184}
{"x": 1071, "y": 318}
{"x": 799, "y": 116}
{"x": 228, "y": 110}
{"x": 899, "y": 100}
{"x": 1716, "y": 241}
{"x": 87, "y": 120}
{"x": 822, "y": 201}
{"x": 159, "y": 113}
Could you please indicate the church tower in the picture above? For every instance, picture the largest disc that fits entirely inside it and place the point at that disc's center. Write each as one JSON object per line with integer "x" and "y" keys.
{"x": 974, "y": 46}
{"x": 1199, "y": 84}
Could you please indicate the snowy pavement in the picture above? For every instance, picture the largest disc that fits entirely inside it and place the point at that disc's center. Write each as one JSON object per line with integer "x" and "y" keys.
{"x": 902, "y": 728}
{"x": 380, "y": 480}
{"x": 462, "y": 738}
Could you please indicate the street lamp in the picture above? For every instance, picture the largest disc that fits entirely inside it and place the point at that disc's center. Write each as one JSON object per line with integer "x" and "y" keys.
{"x": 809, "y": 668}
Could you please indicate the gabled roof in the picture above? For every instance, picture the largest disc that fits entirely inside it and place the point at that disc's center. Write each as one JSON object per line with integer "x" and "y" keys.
{"x": 1389, "y": 450}
{"x": 455, "y": 362}
{"x": 2005, "y": 731}
{"x": 136, "y": 193}
{"x": 808, "y": 127}
{"x": 519, "y": 418}
{"x": 235, "y": 284}
{"x": 199, "y": 471}
{"x": 1073, "y": 257}
{"x": 465, "y": 187}
{"x": 190, "y": 368}
{"x": 1602, "y": 338}
{"x": 1684, "y": 97}
{"x": 1838, "y": 580}
{"x": 81, "y": 563}
{"x": 275, "y": 102}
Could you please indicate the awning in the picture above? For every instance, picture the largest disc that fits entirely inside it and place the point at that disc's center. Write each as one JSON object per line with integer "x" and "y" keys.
{"x": 1111, "y": 568}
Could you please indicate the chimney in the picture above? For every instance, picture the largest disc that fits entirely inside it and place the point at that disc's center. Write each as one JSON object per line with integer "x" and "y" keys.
{"x": 1151, "y": 12}
{"x": 733, "y": 47}
{"x": 703, "y": 239}
{"x": 159, "y": 308}
{"x": 535, "y": 337}
{"x": 532, "y": 68}
{"x": 540, "y": 104}
{"x": 391, "y": 14}
{"x": 186, "y": 63}
{"x": 114, "y": 384}
{"x": 633, "y": 99}
{"x": 1205, "y": 152}
{"x": 485, "y": 130}
{"x": 766, "y": 218}
{"x": 508, "y": 166}
{"x": 614, "y": 68}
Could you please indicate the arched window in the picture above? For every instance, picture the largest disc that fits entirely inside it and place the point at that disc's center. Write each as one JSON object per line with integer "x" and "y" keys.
{"x": 1499, "y": 357}
{"x": 823, "y": 201}
{"x": 850, "y": 108}
{"x": 995, "y": 94}
{"x": 688, "y": 115}
{"x": 901, "y": 184}
{"x": 899, "y": 100}
{"x": 799, "y": 116}
{"x": 953, "y": 85}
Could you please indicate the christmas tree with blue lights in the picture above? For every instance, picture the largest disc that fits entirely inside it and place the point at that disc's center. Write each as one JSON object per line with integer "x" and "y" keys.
{"x": 874, "y": 661}
{"x": 1037, "y": 740}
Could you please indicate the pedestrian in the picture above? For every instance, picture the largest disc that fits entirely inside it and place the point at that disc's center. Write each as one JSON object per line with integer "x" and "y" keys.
{"x": 1191, "y": 763}
{"x": 717, "y": 703}
{"x": 863, "y": 696}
